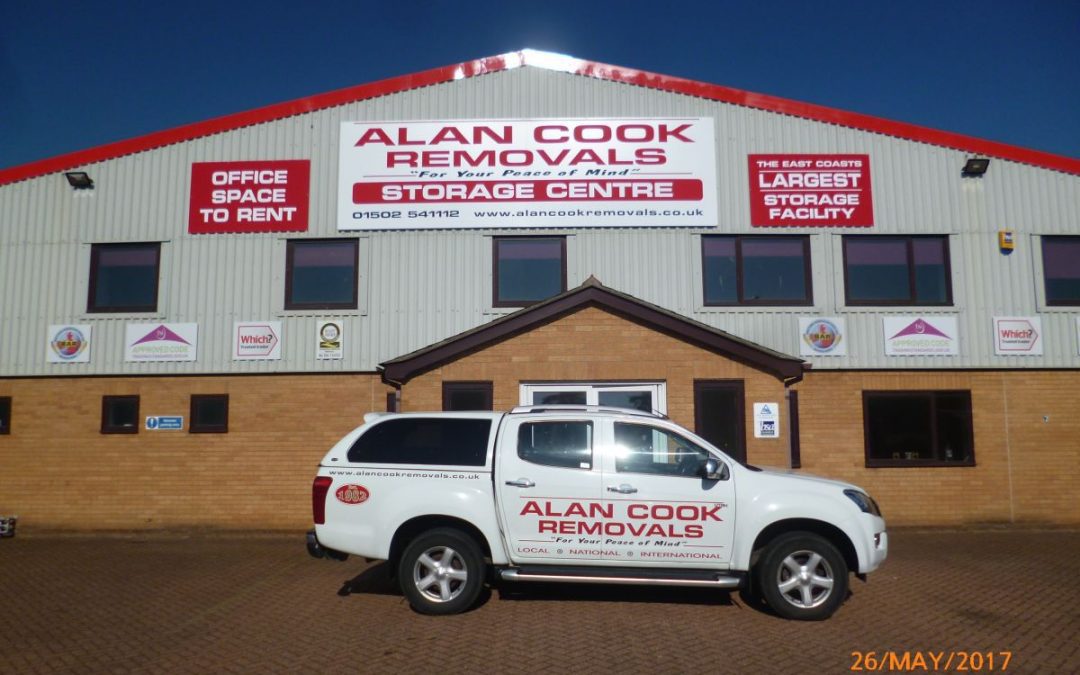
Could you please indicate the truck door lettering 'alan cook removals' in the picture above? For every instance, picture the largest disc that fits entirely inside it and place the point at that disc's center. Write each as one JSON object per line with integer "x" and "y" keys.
{"x": 584, "y": 494}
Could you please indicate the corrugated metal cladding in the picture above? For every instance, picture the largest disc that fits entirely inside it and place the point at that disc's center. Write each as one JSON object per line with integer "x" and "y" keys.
{"x": 418, "y": 287}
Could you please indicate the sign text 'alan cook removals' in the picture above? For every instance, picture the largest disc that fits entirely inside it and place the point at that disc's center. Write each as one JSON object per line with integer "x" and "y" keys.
{"x": 810, "y": 191}
{"x": 527, "y": 173}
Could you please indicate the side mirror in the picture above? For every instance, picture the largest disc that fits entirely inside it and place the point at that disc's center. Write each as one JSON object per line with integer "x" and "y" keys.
{"x": 714, "y": 469}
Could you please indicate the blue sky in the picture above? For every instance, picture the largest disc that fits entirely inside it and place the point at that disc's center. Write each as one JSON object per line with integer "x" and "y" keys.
{"x": 76, "y": 75}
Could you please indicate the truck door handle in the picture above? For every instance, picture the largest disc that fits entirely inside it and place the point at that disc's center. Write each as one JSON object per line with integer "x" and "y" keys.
{"x": 623, "y": 489}
{"x": 521, "y": 482}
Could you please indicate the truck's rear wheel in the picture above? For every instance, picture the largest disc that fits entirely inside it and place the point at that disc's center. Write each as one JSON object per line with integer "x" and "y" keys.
{"x": 441, "y": 572}
{"x": 802, "y": 576}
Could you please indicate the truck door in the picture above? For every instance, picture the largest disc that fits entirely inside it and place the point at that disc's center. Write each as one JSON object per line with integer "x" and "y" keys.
{"x": 548, "y": 481}
{"x": 669, "y": 513}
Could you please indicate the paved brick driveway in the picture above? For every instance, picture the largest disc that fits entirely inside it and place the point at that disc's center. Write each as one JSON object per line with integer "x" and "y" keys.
{"x": 176, "y": 603}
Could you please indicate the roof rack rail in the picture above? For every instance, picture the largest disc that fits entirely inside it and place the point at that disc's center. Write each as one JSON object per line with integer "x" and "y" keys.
{"x": 539, "y": 408}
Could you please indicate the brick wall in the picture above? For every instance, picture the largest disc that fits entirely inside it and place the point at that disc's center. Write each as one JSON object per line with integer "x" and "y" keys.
{"x": 1027, "y": 469}
{"x": 58, "y": 471}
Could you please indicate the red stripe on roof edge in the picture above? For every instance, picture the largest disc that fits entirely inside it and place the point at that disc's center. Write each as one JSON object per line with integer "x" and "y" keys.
{"x": 547, "y": 61}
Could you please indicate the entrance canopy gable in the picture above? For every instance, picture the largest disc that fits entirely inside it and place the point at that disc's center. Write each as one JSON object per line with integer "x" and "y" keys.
{"x": 592, "y": 293}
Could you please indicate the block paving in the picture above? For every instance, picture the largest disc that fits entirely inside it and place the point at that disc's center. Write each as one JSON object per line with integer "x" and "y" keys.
{"x": 172, "y": 602}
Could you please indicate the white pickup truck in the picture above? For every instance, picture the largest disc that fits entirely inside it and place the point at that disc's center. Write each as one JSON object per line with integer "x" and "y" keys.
{"x": 584, "y": 495}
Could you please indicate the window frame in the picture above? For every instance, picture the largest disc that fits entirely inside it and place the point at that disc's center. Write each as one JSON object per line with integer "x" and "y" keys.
{"x": 485, "y": 387}
{"x": 95, "y": 266}
{"x": 110, "y": 429}
{"x": 290, "y": 253}
{"x": 5, "y": 415}
{"x": 879, "y": 463}
{"x": 495, "y": 301}
{"x": 909, "y": 240}
{"x": 194, "y": 427}
{"x": 1045, "y": 278}
{"x": 808, "y": 276}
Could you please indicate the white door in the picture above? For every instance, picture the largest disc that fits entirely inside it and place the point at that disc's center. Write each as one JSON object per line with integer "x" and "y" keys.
{"x": 669, "y": 513}
{"x": 548, "y": 480}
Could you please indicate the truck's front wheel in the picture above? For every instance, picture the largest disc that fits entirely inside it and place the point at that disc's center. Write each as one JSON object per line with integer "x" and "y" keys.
{"x": 441, "y": 572}
{"x": 803, "y": 576}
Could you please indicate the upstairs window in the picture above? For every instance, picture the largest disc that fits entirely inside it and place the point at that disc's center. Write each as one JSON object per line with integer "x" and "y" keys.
{"x": 772, "y": 270}
{"x": 528, "y": 270}
{"x": 918, "y": 428}
{"x": 897, "y": 270}
{"x": 124, "y": 277}
{"x": 1061, "y": 270}
{"x": 321, "y": 274}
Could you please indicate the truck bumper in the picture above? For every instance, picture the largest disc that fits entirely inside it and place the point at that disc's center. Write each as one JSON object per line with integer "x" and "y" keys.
{"x": 317, "y": 550}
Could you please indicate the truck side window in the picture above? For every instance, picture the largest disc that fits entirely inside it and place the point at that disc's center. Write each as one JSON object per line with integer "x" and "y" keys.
{"x": 565, "y": 444}
{"x": 424, "y": 440}
{"x": 644, "y": 449}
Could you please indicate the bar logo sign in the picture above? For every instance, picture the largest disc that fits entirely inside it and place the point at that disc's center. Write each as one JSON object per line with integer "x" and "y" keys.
{"x": 527, "y": 173}
{"x": 810, "y": 191}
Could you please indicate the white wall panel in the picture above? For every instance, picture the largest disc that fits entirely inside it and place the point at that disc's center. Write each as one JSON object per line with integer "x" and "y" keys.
{"x": 418, "y": 287}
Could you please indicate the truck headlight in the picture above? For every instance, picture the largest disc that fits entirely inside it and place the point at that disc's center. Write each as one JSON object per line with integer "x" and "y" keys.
{"x": 865, "y": 503}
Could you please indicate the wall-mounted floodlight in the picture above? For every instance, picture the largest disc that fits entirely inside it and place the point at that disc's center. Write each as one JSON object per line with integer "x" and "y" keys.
{"x": 975, "y": 167}
{"x": 80, "y": 180}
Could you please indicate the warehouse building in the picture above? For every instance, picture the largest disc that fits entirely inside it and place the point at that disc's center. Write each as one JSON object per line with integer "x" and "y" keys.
{"x": 191, "y": 318}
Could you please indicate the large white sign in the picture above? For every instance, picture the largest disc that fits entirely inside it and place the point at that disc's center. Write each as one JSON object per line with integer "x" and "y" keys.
{"x": 256, "y": 341}
{"x": 527, "y": 173}
{"x": 1018, "y": 335}
{"x": 822, "y": 336}
{"x": 919, "y": 336}
{"x": 161, "y": 341}
{"x": 68, "y": 343}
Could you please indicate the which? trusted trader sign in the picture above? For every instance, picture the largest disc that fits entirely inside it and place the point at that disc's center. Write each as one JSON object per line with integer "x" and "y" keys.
{"x": 644, "y": 172}
{"x": 1018, "y": 335}
{"x": 256, "y": 341}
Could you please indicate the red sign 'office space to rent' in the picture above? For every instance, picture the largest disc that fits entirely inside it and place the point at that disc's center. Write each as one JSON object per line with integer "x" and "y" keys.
{"x": 265, "y": 196}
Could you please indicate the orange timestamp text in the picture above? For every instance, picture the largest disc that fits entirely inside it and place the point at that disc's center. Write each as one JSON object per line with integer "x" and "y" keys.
{"x": 929, "y": 661}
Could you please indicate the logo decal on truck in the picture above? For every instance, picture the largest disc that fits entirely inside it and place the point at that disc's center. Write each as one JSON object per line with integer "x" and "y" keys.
{"x": 352, "y": 494}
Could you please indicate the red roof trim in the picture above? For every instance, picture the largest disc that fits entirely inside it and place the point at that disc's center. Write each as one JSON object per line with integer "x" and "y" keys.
{"x": 548, "y": 61}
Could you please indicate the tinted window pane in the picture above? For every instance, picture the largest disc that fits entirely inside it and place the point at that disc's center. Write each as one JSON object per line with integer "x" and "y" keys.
{"x": 918, "y": 428}
{"x": 718, "y": 266}
{"x": 119, "y": 414}
{"x": 209, "y": 413}
{"x": 877, "y": 270}
{"x": 773, "y": 269}
{"x": 644, "y": 449}
{"x": 1061, "y": 269}
{"x": 931, "y": 281}
{"x": 528, "y": 270}
{"x": 636, "y": 400}
{"x": 420, "y": 440}
{"x": 323, "y": 274}
{"x": 463, "y": 397}
{"x": 125, "y": 277}
{"x": 5, "y": 414}
{"x": 565, "y": 444}
{"x": 559, "y": 398}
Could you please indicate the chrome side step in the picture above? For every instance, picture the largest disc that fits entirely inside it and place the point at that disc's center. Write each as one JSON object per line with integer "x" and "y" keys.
{"x": 716, "y": 581}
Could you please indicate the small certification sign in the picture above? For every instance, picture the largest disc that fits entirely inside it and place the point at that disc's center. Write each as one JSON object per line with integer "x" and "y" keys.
{"x": 1018, "y": 335}
{"x": 165, "y": 423}
{"x": 766, "y": 420}
{"x": 329, "y": 340}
